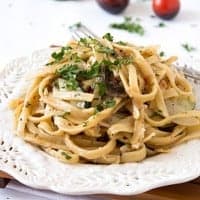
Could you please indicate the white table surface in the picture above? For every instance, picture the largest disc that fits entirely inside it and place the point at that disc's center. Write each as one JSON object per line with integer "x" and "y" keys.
{"x": 29, "y": 25}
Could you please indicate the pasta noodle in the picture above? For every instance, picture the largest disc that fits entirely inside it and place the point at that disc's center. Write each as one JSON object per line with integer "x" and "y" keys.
{"x": 100, "y": 101}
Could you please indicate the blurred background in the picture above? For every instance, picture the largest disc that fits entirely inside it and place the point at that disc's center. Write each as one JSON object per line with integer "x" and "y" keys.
{"x": 29, "y": 25}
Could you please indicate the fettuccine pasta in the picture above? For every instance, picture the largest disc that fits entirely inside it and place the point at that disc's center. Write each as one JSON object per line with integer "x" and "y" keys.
{"x": 99, "y": 101}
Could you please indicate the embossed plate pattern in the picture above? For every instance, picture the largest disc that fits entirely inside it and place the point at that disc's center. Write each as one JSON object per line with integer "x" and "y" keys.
{"x": 34, "y": 168}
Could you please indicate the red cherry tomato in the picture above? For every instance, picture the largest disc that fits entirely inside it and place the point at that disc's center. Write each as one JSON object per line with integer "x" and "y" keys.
{"x": 166, "y": 9}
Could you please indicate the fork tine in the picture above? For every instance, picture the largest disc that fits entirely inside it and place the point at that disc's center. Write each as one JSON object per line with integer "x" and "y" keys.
{"x": 79, "y": 31}
{"x": 88, "y": 32}
{"x": 75, "y": 35}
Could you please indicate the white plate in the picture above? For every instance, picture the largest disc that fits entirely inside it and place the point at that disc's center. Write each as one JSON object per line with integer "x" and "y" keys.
{"x": 34, "y": 168}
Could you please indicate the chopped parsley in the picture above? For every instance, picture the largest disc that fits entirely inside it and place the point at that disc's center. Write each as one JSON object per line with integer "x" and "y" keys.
{"x": 67, "y": 157}
{"x": 69, "y": 73}
{"x": 161, "y": 24}
{"x": 122, "y": 43}
{"x": 91, "y": 73}
{"x": 72, "y": 84}
{"x": 116, "y": 64}
{"x": 98, "y": 108}
{"x": 98, "y": 46}
{"x": 158, "y": 112}
{"x": 58, "y": 56}
{"x": 74, "y": 57}
{"x": 162, "y": 53}
{"x": 76, "y": 25}
{"x": 188, "y": 47}
{"x": 109, "y": 103}
{"x": 101, "y": 88}
{"x": 87, "y": 104}
{"x": 85, "y": 124}
{"x": 83, "y": 41}
{"x": 88, "y": 41}
{"x": 106, "y": 50}
{"x": 123, "y": 61}
{"x": 129, "y": 25}
{"x": 106, "y": 104}
{"x": 108, "y": 37}
{"x": 65, "y": 114}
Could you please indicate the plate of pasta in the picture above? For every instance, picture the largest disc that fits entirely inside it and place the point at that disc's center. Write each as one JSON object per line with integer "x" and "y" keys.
{"x": 99, "y": 116}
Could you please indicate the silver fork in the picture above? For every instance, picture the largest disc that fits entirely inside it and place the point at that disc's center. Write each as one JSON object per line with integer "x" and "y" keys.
{"x": 79, "y": 31}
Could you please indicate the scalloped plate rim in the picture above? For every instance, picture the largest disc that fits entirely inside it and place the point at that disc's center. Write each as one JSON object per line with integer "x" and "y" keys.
{"x": 90, "y": 190}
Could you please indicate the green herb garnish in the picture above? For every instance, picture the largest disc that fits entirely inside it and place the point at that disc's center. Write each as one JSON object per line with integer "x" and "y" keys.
{"x": 72, "y": 84}
{"x": 106, "y": 50}
{"x": 129, "y": 25}
{"x": 65, "y": 114}
{"x": 98, "y": 46}
{"x": 76, "y": 25}
{"x": 67, "y": 157}
{"x": 87, "y": 104}
{"x": 88, "y": 41}
{"x": 162, "y": 53}
{"x": 74, "y": 57}
{"x": 161, "y": 24}
{"x": 98, "y": 108}
{"x": 122, "y": 43}
{"x": 83, "y": 41}
{"x": 188, "y": 47}
{"x": 69, "y": 73}
{"x": 109, "y": 103}
{"x": 124, "y": 61}
{"x": 58, "y": 56}
{"x": 85, "y": 124}
{"x": 157, "y": 113}
{"x": 101, "y": 88}
{"x": 108, "y": 36}
{"x": 91, "y": 73}
{"x": 116, "y": 64}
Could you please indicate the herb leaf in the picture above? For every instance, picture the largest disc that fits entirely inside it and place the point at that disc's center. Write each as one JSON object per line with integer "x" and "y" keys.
{"x": 83, "y": 41}
{"x": 121, "y": 43}
{"x": 67, "y": 157}
{"x": 129, "y": 25}
{"x": 101, "y": 88}
{"x": 188, "y": 47}
{"x": 161, "y": 24}
{"x": 108, "y": 36}
{"x": 106, "y": 50}
{"x": 116, "y": 64}
{"x": 58, "y": 55}
{"x": 76, "y": 25}
{"x": 109, "y": 103}
{"x": 69, "y": 73}
{"x": 162, "y": 53}
{"x": 87, "y": 104}
{"x": 91, "y": 73}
